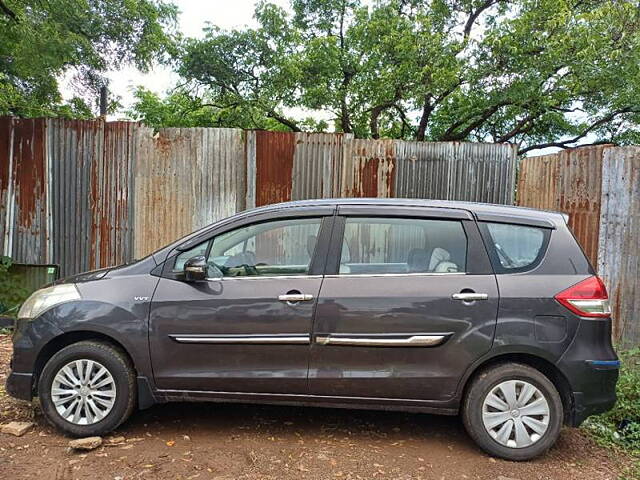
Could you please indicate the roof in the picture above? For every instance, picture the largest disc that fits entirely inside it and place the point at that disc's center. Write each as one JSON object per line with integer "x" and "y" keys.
{"x": 481, "y": 210}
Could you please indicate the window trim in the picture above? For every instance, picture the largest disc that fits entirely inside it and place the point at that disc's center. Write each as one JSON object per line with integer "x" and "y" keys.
{"x": 335, "y": 250}
{"x": 318, "y": 259}
{"x": 498, "y": 268}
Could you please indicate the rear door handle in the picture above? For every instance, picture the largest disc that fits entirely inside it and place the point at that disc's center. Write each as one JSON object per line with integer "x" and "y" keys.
{"x": 470, "y": 297}
{"x": 295, "y": 297}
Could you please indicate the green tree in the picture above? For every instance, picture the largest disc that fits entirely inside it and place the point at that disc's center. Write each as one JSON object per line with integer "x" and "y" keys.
{"x": 41, "y": 40}
{"x": 533, "y": 72}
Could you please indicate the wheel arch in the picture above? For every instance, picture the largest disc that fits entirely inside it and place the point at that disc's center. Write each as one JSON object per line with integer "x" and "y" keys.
{"x": 544, "y": 366}
{"x": 68, "y": 338}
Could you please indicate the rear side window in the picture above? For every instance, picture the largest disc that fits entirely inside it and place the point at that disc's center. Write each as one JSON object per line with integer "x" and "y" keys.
{"x": 402, "y": 245}
{"x": 517, "y": 248}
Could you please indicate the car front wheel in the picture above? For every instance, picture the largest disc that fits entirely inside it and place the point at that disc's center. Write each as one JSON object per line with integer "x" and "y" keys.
{"x": 513, "y": 411}
{"x": 87, "y": 388}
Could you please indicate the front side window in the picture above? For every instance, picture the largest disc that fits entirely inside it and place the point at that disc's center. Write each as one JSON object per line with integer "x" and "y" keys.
{"x": 283, "y": 247}
{"x": 517, "y": 247}
{"x": 403, "y": 245}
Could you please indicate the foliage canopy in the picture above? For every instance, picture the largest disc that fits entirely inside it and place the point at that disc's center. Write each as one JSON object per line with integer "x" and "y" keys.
{"x": 42, "y": 40}
{"x": 529, "y": 72}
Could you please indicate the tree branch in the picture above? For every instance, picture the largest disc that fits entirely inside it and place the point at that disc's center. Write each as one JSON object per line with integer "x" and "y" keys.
{"x": 474, "y": 16}
{"x": 8, "y": 12}
{"x": 284, "y": 121}
{"x": 449, "y": 135}
{"x": 567, "y": 143}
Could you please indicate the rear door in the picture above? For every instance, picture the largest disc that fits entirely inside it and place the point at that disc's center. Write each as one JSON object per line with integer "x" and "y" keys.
{"x": 408, "y": 303}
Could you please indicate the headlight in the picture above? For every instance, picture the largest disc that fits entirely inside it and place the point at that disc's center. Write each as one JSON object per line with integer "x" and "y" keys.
{"x": 46, "y": 298}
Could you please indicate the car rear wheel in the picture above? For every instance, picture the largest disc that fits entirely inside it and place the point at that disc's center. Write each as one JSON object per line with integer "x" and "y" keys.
{"x": 513, "y": 411}
{"x": 87, "y": 388}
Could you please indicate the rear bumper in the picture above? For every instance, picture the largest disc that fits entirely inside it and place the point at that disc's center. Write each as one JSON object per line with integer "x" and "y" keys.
{"x": 19, "y": 385}
{"x": 600, "y": 397}
{"x": 591, "y": 367}
{"x": 598, "y": 393}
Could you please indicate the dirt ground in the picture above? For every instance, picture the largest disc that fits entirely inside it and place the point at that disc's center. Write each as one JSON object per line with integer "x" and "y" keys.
{"x": 213, "y": 441}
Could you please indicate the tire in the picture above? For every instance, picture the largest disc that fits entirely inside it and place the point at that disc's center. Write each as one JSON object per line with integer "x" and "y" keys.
{"x": 503, "y": 381}
{"x": 100, "y": 412}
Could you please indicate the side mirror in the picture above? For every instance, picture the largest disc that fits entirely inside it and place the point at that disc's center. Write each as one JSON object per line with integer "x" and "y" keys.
{"x": 195, "y": 269}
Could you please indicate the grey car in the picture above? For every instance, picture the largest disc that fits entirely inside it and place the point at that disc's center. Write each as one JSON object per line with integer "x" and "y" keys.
{"x": 491, "y": 312}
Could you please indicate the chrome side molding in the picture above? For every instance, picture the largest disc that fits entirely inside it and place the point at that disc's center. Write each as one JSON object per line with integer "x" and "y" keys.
{"x": 420, "y": 340}
{"x": 282, "y": 339}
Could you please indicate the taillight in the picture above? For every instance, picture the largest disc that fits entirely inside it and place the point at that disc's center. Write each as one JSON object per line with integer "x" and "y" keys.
{"x": 587, "y": 299}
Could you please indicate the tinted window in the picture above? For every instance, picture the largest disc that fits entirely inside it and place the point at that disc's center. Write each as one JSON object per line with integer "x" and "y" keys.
{"x": 517, "y": 247}
{"x": 283, "y": 247}
{"x": 402, "y": 245}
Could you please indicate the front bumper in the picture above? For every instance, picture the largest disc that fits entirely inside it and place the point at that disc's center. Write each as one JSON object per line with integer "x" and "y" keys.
{"x": 19, "y": 385}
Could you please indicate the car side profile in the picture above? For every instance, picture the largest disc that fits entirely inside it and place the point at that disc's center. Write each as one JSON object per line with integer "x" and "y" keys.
{"x": 488, "y": 311}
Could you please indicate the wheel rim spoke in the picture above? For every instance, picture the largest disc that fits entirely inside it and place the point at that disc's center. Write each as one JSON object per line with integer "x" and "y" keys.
{"x": 537, "y": 407}
{"x": 505, "y": 432}
{"x": 535, "y": 425}
{"x": 83, "y": 392}
{"x": 508, "y": 389}
{"x": 494, "y": 401}
{"x": 515, "y": 413}
{"x": 496, "y": 419}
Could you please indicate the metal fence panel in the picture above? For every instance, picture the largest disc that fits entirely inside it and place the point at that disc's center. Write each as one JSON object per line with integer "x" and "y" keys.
{"x": 317, "y": 164}
{"x": 23, "y": 190}
{"x": 569, "y": 182}
{"x": 619, "y": 242}
{"x": 111, "y": 237}
{"x": 579, "y": 189}
{"x": 538, "y": 182}
{"x": 423, "y": 169}
{"x": 483, "y": 173}
{"x": 185, "y": 179}
{"x": 274, "y": 167}
{"x": 73, "y": 146}
{"x": 368, "y": 168}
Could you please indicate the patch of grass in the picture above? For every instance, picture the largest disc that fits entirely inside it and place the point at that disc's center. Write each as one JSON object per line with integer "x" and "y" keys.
{"x": 619, "y": 428}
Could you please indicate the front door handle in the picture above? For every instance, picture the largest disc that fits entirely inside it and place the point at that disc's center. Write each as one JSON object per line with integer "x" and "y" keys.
{"x": 470, "y": 297}
{"x": 295, "y": 297}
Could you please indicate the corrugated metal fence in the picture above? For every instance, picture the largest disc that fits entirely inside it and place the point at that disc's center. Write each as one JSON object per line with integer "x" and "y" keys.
{"x": 87, "y": 194}
{"x": 599, "y": 187}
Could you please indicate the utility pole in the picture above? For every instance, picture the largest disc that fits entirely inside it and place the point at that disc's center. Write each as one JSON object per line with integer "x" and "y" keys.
{"x": 103, "y": 102}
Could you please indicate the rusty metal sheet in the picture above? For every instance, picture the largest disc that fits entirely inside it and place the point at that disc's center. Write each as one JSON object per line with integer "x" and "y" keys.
{"x": 23, "y": 190}
{"x": 619, "y": 240}
{"x": 538, "y": 182}
{"x": 368, "y": 168}
{"x": 274, "y": 166}
{"x": 579, "y": 192}
{"x": 111, "y": 236}
{"x": 185, "y": 179}
{"x": 569, "y": 182}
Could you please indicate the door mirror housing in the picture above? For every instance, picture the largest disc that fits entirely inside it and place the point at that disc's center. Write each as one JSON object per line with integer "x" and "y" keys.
{"x": 195, "y": 269}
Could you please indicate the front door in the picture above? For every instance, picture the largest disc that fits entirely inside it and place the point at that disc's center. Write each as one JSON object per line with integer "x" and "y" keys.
{"x": 411, "y": 303}
{"x": 247, "y": 328}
